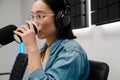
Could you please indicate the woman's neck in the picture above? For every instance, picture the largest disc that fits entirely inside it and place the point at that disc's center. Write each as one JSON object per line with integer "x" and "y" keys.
{"x": 50, "y": 40}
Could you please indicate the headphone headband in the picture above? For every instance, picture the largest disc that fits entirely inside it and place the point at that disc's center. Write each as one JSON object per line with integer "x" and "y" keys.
{"x": 67, "y": 3}
{"x": 63, "y": 17}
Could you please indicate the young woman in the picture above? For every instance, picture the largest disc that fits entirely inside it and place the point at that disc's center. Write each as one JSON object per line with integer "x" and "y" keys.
{"x": 60, "y": 58}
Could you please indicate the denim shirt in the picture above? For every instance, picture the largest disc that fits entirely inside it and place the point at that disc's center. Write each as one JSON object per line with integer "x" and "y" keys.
{"x": 67, "y": 61}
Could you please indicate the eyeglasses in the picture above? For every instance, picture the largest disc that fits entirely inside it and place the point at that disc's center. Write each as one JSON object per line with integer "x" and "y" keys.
{"x": 38, "y": 16}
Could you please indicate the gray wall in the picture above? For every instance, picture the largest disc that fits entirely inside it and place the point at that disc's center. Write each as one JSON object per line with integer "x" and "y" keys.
{"x": 26, "y": 9}
{"x": 10, "y": 13}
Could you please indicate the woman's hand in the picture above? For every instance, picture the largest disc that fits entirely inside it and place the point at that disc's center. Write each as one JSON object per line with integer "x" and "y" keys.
{"x": 28, "y": 36}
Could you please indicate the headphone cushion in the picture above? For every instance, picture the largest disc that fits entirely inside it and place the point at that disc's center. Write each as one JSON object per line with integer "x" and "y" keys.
{"x": 62, "y": 19}
{"x": 66, "y": 20}
{"x": 58, "y": 18}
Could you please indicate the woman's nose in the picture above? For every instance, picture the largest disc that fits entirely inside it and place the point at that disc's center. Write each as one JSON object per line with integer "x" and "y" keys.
{"x": 36, "y": 21}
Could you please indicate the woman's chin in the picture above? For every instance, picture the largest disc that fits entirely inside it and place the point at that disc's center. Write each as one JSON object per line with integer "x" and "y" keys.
{"x": 41, "y": 36}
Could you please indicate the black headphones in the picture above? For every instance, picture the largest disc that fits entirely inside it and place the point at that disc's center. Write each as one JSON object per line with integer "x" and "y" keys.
{"x": 63, "y": 17}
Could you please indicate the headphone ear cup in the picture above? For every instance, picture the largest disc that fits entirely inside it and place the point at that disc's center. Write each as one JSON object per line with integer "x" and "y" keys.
{"x": 58, "y": 19}
{"x": 66, "y": 19}
{"x": 62, "y": 19}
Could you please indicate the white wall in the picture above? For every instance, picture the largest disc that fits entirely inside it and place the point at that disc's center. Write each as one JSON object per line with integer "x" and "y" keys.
{"x": 10, "y": 13}
{"x": 102, "y": 44}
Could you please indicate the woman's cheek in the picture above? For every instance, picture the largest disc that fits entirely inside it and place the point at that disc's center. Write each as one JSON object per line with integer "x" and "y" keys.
{"x": 43, "y": 31}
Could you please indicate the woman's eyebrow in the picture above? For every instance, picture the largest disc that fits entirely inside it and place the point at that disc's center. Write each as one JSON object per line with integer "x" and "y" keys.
{"x": 39, "y": 11}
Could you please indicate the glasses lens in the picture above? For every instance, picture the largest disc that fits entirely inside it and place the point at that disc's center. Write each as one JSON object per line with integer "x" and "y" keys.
{"x": 40, "y": 17}
{"x": 30, "y": 17}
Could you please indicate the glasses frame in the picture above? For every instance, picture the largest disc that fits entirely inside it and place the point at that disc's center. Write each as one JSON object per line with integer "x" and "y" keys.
{"x": 38, "y": 16}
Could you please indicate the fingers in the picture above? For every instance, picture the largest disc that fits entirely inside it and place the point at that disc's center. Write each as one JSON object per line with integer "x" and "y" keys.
{"x": 20, "y": 30}
{"x": 25, "y": 28}
{"x": 30, "y": 25}
{"x": 18, "y": 33}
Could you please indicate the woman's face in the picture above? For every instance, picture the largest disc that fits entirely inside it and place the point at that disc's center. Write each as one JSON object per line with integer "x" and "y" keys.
{"x": 44, "y": 17}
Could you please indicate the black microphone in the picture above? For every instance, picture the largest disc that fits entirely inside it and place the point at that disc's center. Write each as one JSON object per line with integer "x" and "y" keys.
{"x": 6, "y": 34}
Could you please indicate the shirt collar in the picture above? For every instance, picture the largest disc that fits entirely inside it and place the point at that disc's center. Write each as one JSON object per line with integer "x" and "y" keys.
{"x": 55, "y": 45}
